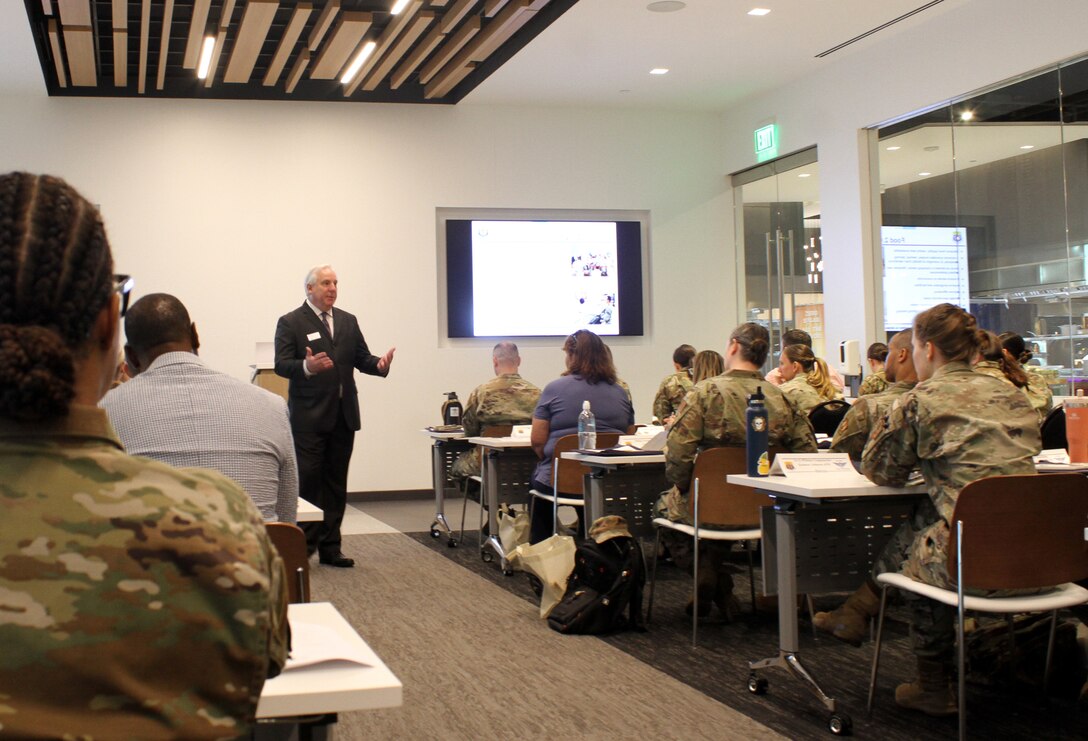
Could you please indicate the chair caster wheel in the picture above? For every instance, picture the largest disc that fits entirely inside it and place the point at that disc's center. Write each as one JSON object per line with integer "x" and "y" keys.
{"x": 451, "y": 543}
{"x": 487, "y": 556}
{"x": 840, "y": 724}
{"x": 507, "y": 572}
{"x": 435, "y": 533}
{"x": 757, "y": 685}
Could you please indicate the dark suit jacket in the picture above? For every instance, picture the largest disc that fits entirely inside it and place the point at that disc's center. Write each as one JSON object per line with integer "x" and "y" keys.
{"x": 315, "y": 401}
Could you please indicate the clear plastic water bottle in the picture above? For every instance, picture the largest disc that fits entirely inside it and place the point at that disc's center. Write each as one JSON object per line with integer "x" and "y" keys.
{"x": 587, "y": 428}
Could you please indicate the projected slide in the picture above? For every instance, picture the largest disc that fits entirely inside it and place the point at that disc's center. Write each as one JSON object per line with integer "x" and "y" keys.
{"x": 923, "y": 266}
{"x": 544, "y": 278}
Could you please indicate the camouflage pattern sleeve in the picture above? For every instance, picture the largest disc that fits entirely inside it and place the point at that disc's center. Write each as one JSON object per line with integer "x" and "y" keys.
{"x": 801, "y": 437}
{"x": 469, "y": 419}
{"x": 891, "y": 453}
{"x": 683, "y": 440}
{"x": 1038, "y": 393}
{"x": 853, "y": 431}
{"x": 662, "y": 403}
{"x": 873, "y": 384}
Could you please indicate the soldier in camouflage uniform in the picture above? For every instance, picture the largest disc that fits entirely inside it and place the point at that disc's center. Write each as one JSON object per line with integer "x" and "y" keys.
{"x": 507, "y": 399}
{"x": 136, "y": 600}
{"x": 806, "y": 382}
{"x": 877, "y": 380}
{"x": 994, "y": 360}
{"x": 957, "y": 426}
{"x": 713, "y": 415}
{"x": 866, "y": 412}
{"x": 1038, "y": 388}
{"x": 674, "y": 386}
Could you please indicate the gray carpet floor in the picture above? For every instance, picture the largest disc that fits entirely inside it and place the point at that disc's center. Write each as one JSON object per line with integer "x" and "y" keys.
{"x": 478, "y": 663}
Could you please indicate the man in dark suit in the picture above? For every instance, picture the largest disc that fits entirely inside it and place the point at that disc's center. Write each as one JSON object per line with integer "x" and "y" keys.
{"x": 318, "y": 349}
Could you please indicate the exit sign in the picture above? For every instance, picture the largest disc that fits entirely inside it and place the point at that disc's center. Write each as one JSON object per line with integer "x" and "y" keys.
{"x": 766, "y": 142}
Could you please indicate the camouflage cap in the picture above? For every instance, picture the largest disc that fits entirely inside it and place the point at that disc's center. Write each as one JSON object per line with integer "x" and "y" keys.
{"x": 608, "y": 527}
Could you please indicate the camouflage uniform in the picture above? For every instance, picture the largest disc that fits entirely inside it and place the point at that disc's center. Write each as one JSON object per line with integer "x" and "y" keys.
{"x": 958, "y": 426}
{"x": 865, "y": 413}
{"x": 670, "y": 393}
{"x": 802, "y": 394}
{"x": 136, "y": 600}
{"x": 507, "y": 399}
{"x": 1037, "y": 392}
{"x": 873, "y": 384}
{"x": 713, "y": 416}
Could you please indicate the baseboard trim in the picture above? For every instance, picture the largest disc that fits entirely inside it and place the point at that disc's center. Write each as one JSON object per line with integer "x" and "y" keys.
{"x": 396, "y": 495}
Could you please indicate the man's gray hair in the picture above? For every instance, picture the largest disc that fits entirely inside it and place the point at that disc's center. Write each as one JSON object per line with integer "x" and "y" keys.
{"x": 506, "y": 352}
{"x": 311, "y": 277}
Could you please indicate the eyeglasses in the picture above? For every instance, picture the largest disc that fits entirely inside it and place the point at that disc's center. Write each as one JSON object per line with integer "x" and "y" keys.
{"x": 123, "y": 284}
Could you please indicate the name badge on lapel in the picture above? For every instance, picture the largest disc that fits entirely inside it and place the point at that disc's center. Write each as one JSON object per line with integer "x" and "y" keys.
{"x": 313, "y": 336}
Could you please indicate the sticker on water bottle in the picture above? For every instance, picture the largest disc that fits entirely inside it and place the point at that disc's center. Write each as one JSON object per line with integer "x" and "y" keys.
{"x": 764, "y": 465}
{"x": 759, "y": 424}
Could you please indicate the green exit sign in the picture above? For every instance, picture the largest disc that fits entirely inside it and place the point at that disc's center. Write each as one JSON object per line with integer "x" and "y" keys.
{"x": 766, "y": 142}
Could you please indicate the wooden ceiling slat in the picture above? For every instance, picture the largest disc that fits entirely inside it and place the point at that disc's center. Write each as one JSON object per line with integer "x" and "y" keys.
{"x": 226, "y": 15}
{"x": 449, "y": 49}
{"x": 421, "y": 52}
{"x": 164, "y": 45}
{"x": 499, "y": 31}
{"x": 438, "y": 3}
{"x": 447, "y": 80}
{"x": 58, "y": 57}
{"x": 491, "y": 7}
{"x": 456, "y": 14}
{"x": 385, "y": 41}
{"x": 220, "y": 41}
{"x": 296, "y": 71}
{"x": 256, "y": 20}
{"x": 349, "y": 31}
{"x": 145, "y": 31}
{"x": 47, "y": 7}
{"x": 74, "y": 13}
{"x": 404, "y": 43}
{"x": 120, "y": 15}
{"x": 287, "y": 42}
{"x": 328, "y": 13}
{"x": 197, "y": 27}
{"x": 79, "y": 43}
{"x": 120, "y": 57}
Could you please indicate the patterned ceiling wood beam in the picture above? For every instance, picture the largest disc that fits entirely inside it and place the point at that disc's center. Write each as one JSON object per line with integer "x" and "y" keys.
{"x": 491, "y": 7}
{"x": 328, "y": 13}
{"x": 497, "y": 32}
{"x": 164, "y": 44}
{"x": 145, "y": 31}
{"x": 421, "y": 52}
{"x": 453, "y": 45}
{"x": 220, "y": 41}
{"x": 287, "y": 42}
{"x": 349, "y": 31}
{"x": 385, "y": 42}
{"x": 120, "y": 43}
{"x": 75, "y": 20}
{"x": 404, "y": 43}
{"x": 58, "y": 58}
{"x": 197, "y": 27}
{"x": 456, "y": 14}
{"x": 296, "y": 72}
{"x": 256, "y": 20}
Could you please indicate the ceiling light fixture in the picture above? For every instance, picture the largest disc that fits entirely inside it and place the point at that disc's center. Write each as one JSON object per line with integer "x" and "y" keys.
{"x": 659, "y": 71}
{"x": 759, "y": 11}
{"x": 205, "y": 57}
{"x": 398, "y": 6}
{"x": 666, "y": 6}
{"x": 894, "y": 149}
{"x": 967, "y": 115}
{"x": 925, "y": 174}
{"x": 357, "y": 63}
{"x": 804, "y": 175}
{"x": 1028, "y": 146}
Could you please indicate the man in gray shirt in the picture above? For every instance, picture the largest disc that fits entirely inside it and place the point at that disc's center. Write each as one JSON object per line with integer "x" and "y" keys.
{"x": 179, "y": 411}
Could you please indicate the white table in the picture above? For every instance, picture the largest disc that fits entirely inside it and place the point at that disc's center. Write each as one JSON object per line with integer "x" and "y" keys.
{"x": 790, "y": 495}
{"x": 494, "y": 448}
{"x": 308, "y": 512}
{"x": 445, "y": 447}
{"x": 332, "y": 687}
{"x": 606, "y": 468}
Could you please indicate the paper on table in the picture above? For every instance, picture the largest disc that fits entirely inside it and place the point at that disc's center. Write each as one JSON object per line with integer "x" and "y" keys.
{"x": 1057, "y": 455}
{"x": 521, "y": 431}
{"x": 317, "y": 644}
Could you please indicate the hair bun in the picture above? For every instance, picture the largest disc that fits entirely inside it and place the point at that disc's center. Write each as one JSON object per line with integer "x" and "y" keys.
{"x": 37, "y": 374}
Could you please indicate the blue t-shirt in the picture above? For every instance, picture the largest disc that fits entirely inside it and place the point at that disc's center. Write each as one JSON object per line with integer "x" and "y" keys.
{"x": 561, "y": 403}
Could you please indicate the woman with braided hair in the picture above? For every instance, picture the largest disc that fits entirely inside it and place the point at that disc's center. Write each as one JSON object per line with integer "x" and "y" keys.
{"x": 136, "y": 600}
{"x": 1037, "y": 389}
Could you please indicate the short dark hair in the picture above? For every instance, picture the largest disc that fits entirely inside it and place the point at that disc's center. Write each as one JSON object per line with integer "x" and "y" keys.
{"x": 589, "y": 357}
{"x": 683, "y": 356}
{"x": 877, "y": 351}
{"x": 796, "y": 337}
{"x": 156, "y": 319}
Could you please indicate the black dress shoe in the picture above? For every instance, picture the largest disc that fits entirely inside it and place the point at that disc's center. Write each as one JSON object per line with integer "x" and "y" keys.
{"x": 338, "y": 560}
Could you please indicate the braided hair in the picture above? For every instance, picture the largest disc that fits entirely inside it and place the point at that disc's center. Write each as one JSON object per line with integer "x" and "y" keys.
{"x": 55, "y": 276}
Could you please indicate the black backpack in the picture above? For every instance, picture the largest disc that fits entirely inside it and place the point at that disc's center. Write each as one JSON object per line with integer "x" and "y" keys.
{"x": 604, "y": 592}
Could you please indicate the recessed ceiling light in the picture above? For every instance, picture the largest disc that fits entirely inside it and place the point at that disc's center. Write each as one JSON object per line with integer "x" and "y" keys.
{"x": 205, "y": 57}
{"x": 967, "y": 115}
{"x": 925, "y": 174}
{"x": 1028, "y": 146}
{"x": 666, "y": 6}
{"x": 398, "y": 6}
{"x": 357, "y": 63}
{"x": 804, "y": 175}
{"x": 659, "y": 71}
{"x": 759, "y": 11}
{"x": 894, "y": 149}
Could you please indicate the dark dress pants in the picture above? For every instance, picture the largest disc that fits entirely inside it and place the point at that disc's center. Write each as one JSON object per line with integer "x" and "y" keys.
{"x": 323, "y": 459}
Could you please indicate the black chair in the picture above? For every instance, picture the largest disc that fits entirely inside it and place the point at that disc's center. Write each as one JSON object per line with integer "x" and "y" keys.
{"x": 1053, "y": 429}
{"x": 825, "y": 417}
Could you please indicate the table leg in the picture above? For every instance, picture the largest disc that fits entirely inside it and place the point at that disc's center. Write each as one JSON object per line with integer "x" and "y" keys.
{"x": 490, "y": 483}
{"x": 438, "y": 477}
{"x": 787, "y": 658}
{"x": 594, "y": 496}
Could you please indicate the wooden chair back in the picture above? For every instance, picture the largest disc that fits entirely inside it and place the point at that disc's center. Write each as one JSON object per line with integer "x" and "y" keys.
{"x": 722, "y": 503}
{"x": 496, "y": 430}
{"x": 290, "y": 541}
{"x": 1023, "y": 531}
{"x": 826, "y": 416}
{"x": 571, "y": 472}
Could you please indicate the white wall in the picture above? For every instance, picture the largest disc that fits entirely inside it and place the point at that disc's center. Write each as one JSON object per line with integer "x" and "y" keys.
{"x": 962, "y": 47}
{"x": 226, "y": 205}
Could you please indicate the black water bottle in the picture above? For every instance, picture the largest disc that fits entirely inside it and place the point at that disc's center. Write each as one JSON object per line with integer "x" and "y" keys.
{"x": 451, "y": 409}
{"x": 757, "y": 434}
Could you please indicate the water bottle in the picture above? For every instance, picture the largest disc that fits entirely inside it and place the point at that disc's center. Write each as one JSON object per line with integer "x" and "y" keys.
{"x": 587, "y": 428}
{"x": 756, "y": 416}
{"x": 451, "y": 409}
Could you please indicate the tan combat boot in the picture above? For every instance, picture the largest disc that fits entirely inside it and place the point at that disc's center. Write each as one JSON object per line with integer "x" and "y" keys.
{"x": 849, "y": 622}
{"x": 931, "y": 693}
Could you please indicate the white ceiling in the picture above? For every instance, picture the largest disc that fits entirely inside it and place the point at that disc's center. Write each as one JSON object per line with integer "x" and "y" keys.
{"x": 599, "y": 53}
